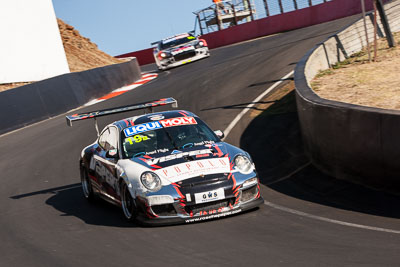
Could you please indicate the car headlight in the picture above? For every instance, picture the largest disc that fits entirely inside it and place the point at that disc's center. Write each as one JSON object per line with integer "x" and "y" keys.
{"x": 163, "y": 55}
{"x": 201, "y": 43}
{"x": 243, "y": 164}
{"x": 151, "y": 181}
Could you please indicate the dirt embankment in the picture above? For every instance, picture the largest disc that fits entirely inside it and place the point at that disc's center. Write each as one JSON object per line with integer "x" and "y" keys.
{"x": 357, "y": 81}
{"x": 82, "y": 54}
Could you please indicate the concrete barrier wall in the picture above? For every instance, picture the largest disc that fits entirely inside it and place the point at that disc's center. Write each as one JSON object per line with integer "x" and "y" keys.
{"x": 41, "y": 100}
{"x": 347, "y": 141}
{"x": 279, "y": 23}
{"x": 144, "y": 56}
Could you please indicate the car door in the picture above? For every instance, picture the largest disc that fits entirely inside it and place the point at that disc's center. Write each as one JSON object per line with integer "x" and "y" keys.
{"x": 105, "y": 159}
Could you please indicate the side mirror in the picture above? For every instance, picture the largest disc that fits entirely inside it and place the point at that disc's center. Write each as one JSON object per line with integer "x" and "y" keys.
{"x": 219, "y": 133}
{"x": 112, "y": 154}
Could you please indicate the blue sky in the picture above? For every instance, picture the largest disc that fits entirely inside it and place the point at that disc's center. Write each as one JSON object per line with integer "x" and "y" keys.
{"x": 122, "y": 26}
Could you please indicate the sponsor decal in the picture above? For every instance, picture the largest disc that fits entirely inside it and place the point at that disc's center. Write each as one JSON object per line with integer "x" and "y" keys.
{"x": 209, "y": 196}
{"x": 178, "y": 156}
{"x": 178, "y": 121}
{"x": 212, "y": 216}
{"x": 176, "y": 152}
{"x": 150, "y": 126}
{"x": 156, "y": 117}
{"x": 190, "y": 169}
{"x": 141, "y": 128}
{"x": 137, "y": 139}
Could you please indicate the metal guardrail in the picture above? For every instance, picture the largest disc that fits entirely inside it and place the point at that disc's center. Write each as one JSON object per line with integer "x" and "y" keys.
{"x": 233, "y": 12}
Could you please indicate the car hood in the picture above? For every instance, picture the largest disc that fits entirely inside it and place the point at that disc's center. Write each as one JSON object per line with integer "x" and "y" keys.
{"x": 177, "y": 165}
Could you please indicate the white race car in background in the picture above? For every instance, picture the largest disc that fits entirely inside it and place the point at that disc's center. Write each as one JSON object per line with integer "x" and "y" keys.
{"x": 178, "y": 50}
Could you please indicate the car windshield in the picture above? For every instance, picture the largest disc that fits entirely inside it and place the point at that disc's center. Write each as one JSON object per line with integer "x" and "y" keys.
{"x": 179, "y": 40}
{"x": 166, "y": 138}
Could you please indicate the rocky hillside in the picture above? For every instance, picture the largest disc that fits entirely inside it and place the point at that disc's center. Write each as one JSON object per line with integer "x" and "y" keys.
{"x": 81, "y": 53}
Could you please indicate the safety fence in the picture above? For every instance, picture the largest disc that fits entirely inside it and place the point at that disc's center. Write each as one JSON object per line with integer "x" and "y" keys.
{"x": 309, "y": 12}
{"x": 230, "y": 13}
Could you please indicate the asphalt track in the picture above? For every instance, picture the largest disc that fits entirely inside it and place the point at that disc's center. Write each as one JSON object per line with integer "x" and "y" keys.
{"x": 45, "y": 221}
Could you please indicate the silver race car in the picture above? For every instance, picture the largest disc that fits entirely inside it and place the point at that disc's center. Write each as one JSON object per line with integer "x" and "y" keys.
{"x": 178, "y": 50}
{"x": 167, "y": 167}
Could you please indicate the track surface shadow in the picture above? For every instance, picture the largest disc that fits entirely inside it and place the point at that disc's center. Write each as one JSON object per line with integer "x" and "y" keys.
{"x": 69, "y": 201}
{"x": 274, "y": 140}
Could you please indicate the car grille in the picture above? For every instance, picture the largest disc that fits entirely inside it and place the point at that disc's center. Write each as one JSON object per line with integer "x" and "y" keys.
{"x": 215, "y": 205}
{"x": 200, "y": 181}
{"x": 184, "y": 55}
{"x": 164, "y": 210}
{"x": 249, "y": 194}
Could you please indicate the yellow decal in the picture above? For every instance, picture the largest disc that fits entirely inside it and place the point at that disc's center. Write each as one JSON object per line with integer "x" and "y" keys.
{"x": 137, "y": 139}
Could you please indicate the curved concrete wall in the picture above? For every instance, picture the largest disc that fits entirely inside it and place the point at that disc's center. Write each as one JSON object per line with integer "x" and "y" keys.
{"x": 41, "y": 100}
{"x": 351, "y": 142}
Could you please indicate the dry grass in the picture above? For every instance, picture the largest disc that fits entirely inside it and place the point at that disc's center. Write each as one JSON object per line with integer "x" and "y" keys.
{"x": 356, "y": 81}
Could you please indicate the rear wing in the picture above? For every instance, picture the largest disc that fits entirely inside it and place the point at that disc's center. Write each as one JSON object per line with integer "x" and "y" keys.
{"x": 146, "y": 105}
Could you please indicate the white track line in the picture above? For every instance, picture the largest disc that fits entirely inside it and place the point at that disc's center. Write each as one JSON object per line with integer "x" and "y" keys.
{"x": 292, "y": 211}
{"x": 315, "y": 217}
{"x": 253, "y": 103}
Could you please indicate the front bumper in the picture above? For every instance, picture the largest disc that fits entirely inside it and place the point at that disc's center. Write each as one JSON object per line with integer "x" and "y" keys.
{"x": 184, "y": 209}
{"x": 175, "y": 61}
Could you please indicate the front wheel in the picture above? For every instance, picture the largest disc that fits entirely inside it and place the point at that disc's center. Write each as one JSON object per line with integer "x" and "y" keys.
{"x": 87, "y": 185}
{"x": 128, "y": 203}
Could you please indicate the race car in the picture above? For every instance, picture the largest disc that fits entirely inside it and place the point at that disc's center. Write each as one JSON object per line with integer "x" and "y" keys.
{"x": 178, "y": 50}
{"x": 166, "y": 167}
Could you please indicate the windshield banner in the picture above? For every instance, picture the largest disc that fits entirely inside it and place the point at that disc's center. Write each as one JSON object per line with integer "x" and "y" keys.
{"x": 150, "y": 126}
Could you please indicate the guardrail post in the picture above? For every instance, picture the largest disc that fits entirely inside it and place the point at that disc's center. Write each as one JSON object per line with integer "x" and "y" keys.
{"x": 216, "y": 11}
{"x": 266, "y": 8}
{"x": 366, "y": 29}
{"x": 295, "y": 4}
{"x": 280, "y": 6}
{"x": 250, "y": 9}
{"x": 201, "y": 29}
{"x": 385, "y": 23}
{"x": 235, "y": 22}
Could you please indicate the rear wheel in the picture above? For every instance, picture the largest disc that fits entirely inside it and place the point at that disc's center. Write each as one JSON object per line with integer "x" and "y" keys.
{"x": 128, "y": 203}
{"x": 86, "y": 185}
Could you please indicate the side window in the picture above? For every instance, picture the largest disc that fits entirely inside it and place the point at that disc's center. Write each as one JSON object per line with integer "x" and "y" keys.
{"x": 103, "y": 138}
{"x": 112, "y": 139}
{"x": 109, "y": 138}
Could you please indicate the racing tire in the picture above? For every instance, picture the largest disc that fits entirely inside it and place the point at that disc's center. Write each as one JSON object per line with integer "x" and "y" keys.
{"x": 87, "y": 188}
{"x": 128, "y": 203}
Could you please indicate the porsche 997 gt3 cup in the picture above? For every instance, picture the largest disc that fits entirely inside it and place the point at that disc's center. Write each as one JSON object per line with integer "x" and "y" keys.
{"x": 166, "y": 167}
{"x": 178, "y": 50}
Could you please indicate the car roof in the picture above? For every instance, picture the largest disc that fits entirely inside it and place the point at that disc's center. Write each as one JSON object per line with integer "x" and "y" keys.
{"x": 177, "y": 36}
{"x": 128, "y": 122}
